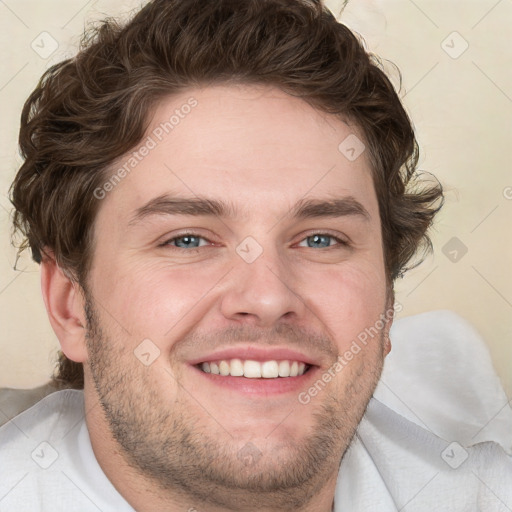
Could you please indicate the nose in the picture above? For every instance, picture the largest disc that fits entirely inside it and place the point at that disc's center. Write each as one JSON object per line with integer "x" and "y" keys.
{"x": 262, "y": 292}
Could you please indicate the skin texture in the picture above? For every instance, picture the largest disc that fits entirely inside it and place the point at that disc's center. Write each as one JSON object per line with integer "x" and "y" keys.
{"x": 166, "y": 435}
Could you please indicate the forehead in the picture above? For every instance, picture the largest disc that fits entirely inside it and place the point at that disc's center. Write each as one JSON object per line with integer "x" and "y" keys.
{"x": 256, "y": 146}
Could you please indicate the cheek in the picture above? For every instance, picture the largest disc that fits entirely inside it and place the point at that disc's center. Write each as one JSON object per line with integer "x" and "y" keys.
{"x": 352, "y": 308}
{"x": 348, "y": 300}
{"x": 155, "y": 300}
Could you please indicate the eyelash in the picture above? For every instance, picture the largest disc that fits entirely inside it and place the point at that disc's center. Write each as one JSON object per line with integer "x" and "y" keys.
{"x": 167, "y": 243}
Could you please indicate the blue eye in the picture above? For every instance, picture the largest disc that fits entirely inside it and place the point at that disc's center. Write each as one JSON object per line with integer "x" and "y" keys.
{"x": 186, "y": 241}
{"x": 321, "y": 241}
{"x": 317, "y": 240}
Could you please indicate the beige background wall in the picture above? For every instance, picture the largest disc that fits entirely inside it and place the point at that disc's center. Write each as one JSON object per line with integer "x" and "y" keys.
{"x": 457, "y": 85}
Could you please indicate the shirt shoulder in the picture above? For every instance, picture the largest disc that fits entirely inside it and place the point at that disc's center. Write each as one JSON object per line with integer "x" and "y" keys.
{"x": 47, "y": 462}
{"x": 52, "y": 418}
{"x": 392, "y": 457}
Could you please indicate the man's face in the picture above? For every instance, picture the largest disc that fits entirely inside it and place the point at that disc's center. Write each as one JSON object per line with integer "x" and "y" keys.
{"x": 176, "y": 289}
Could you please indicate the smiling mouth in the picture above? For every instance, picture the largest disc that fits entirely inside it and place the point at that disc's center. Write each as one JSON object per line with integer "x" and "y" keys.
{"x": 251, "y": 369}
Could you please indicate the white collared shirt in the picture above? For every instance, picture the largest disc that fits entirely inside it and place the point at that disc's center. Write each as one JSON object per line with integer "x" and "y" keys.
{"x": 47, "y": 464}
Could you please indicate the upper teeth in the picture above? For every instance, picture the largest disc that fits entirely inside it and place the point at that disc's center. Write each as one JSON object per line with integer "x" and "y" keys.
{"x": 255, "y": 369}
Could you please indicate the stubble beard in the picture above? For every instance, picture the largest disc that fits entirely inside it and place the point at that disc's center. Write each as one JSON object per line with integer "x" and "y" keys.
{"x": 185, "y": 458}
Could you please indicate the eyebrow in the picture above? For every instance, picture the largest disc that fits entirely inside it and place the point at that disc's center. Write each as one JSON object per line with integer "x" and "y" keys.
{"x": 202, "y": 206}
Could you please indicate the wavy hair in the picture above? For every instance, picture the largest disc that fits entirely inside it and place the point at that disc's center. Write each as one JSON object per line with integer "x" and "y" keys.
{"x": 89, "y": 110}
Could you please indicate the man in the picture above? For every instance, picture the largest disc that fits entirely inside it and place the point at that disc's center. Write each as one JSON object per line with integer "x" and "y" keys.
{"x": 220, "y": 195}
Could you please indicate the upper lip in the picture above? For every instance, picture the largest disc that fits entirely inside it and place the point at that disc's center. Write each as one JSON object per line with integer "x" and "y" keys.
{"x": 255, "y": 353}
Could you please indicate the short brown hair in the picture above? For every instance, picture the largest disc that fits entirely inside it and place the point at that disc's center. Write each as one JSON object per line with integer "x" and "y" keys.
{"x": 89, "y": 110}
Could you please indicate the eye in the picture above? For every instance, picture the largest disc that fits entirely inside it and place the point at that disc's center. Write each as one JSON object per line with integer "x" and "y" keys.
{"x": 321, "y": 240}
{"x": 187, "y": 241}
{"x": 191, "y": 241}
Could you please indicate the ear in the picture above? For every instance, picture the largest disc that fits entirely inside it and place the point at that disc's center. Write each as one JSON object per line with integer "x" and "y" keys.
{"x": 387, "y": 345}
{"x": 390, "y": 316}
{"x": 65, "y": 306}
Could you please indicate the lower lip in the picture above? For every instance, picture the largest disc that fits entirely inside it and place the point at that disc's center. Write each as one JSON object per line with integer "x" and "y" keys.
{"x": 262, "y": 386}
